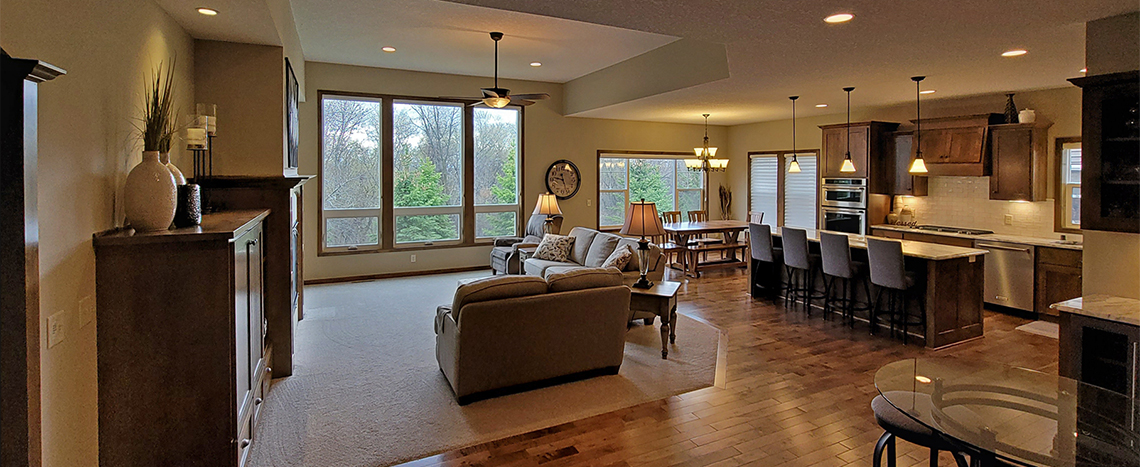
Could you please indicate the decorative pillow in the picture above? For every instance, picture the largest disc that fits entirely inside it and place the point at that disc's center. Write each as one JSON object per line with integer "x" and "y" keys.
{"x": 584, "y": 278}
{"x": 619, "y": 258}
{"x": 554, "y": 248}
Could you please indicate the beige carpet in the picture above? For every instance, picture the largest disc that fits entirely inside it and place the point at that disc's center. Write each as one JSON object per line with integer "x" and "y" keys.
{"x": 367, "y": 391}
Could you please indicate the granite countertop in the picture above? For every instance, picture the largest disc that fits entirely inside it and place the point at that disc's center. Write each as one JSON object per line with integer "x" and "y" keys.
{"x": 923, "y": 250}
{"x": 1116, "y": 309}
{"x": 1035, "y": 241}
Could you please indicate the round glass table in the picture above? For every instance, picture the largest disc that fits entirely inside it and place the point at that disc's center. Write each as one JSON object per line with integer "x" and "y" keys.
{"x": 1002, "y": 415}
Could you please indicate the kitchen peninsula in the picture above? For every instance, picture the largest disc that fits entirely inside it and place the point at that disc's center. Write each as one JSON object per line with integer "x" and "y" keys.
{"x": 952, "y": 280}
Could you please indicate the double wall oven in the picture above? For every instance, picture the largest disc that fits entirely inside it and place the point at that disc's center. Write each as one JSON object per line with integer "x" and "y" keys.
{"x": 843, "y": 205}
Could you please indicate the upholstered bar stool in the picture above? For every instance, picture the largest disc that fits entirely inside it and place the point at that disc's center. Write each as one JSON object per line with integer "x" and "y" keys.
{"x": 896, "y": 424}
{"x": 799, "y": 262}
{"x": 835, "y": 251}
{"x": 888, "y": 272}
{"x": 765, "y": 259}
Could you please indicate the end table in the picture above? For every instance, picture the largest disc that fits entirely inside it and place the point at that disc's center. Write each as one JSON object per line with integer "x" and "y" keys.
{"x": 661, "y": 300}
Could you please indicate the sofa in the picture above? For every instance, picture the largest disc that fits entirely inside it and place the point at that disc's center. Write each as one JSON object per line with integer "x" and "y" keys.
{"x": 505, "y": 253}
{"x": 502, "y": 334}
{"x": 590, "y": 250}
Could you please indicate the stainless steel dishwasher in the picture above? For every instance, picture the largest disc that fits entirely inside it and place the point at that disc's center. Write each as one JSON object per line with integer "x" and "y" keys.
{"x": 1009, "y": 274}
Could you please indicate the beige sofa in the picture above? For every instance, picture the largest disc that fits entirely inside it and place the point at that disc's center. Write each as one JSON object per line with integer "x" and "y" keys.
{"x": 508, "y": 333}
{"x": 591, "y": 248}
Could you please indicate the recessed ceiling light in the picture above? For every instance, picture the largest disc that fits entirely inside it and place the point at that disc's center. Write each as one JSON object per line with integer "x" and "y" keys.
{"x": 1014, "y": 53}
{"x": 1084, "y": 70}
{"x": 535, "y": 64}
{"x": 388, "y": 49}
{"x": 208, "y": 11}
{"x": 821, "y": 105}
{"x": 839, "y": 18}
{"x": 928, "y": 91}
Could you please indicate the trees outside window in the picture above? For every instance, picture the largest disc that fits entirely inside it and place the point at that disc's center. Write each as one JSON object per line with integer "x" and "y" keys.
{"x": 661, "y": 179}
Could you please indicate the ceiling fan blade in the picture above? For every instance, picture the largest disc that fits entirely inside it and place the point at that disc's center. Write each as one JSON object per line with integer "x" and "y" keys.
{"x": 523, "y": 102}
{"x": 533, "y": 96}
{"x": 462, "y": 98}
{"x": 490, "y": 92}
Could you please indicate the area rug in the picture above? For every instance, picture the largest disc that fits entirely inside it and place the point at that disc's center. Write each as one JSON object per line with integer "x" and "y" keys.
{"x": 366, "y": 389}
{"x": 1041, "y": 328}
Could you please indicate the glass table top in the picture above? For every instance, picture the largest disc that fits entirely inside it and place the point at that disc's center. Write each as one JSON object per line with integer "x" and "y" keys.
{"x": 1020, "y": 416}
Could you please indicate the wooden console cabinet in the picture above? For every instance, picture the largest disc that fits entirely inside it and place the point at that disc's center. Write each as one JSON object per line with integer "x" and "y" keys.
{"x": 182, "y": 357}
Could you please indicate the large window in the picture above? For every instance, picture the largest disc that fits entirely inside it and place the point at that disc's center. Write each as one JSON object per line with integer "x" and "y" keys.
{"x": 1069, "y": 189}
{"x": 785, "y": 198}
{"x": 659, "y": 178}
{"x": 400, "y": 173}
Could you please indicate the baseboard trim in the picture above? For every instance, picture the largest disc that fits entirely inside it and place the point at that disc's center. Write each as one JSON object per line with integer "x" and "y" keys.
{"x": 390, "y": 275}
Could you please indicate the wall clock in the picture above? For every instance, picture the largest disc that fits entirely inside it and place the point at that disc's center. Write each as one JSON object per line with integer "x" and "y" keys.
{"x": 563, "y": 179}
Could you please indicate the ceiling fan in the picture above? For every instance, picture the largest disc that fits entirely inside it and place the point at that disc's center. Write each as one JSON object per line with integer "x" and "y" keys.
{"x": 499, "y": 97}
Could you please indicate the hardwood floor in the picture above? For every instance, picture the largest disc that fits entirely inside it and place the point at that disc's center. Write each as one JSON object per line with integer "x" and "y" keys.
{"x": 798, "y": 393}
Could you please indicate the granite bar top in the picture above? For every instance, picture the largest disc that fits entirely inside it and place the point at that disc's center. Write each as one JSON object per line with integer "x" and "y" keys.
{"x": 1035, "y": 241}
{"x": 923, "y": 250}
{"x": 1115, "y": 309}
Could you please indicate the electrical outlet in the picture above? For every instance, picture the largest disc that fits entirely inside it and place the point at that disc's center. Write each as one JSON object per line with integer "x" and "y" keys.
{"x": 55, "y": 328}
{"x": 86, "y": 311}
{"x": 589, "y": 202}
{"x": 413, "y": 257}
{"x": 1009, "y": 219}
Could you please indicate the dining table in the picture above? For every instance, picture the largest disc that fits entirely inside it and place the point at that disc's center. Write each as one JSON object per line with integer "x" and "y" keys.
{"x": 1002, "y": 415}
{"x": 731, "y": 249}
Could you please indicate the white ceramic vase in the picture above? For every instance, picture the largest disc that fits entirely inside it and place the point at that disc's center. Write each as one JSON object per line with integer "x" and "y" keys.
{"x": 179, "y": 179}
{"x": 150, "y": 195}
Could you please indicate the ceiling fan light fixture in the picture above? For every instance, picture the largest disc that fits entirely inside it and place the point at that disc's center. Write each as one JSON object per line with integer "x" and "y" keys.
{"x": 497, "y": 102}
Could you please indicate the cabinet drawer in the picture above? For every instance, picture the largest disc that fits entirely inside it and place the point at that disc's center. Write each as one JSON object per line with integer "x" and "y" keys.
{"x": 1059, "y": 257}
{"x": 886, "y": 233}
{"x": 939, "y": 239}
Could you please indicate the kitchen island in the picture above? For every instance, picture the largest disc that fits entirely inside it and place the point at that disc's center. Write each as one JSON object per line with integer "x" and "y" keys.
{"x": 950, "y": 278}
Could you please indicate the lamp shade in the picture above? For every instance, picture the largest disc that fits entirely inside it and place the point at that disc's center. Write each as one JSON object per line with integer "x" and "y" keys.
{"x": 794, "y": 167}
{"x": 700, "y": 152}
{"x": 918, "y": 166}
{"x": 547, "y": 205}
{"x": 641, "y": 219}
{"x": 847, "y": 167}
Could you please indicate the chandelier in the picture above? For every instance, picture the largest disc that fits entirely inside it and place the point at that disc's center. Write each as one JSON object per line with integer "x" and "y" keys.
{"x": 706, "y": 160}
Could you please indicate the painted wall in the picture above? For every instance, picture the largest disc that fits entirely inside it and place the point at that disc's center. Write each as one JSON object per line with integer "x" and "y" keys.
{"x": 548, "y": 137}
{"x": 87, "y": 145}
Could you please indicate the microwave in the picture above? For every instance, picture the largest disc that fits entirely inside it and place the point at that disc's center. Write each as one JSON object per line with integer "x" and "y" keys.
{"x": 844, "y": 193}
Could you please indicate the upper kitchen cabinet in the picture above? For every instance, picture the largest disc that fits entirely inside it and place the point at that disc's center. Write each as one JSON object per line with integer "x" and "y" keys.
{"x": 902, "y": 181}
{"x": 1019, "y": 161}
{"x": 956, "y": 146}
{"x": 872, "y": 150}
{"x": 1110, "y": 143}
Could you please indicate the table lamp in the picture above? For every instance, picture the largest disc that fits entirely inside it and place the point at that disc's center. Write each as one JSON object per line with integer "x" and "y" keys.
{"x": 547, "y": 206}
{"x": 641, "y": 219}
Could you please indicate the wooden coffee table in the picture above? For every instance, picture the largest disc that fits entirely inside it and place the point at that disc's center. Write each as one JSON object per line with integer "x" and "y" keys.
{"x": 661, "y": 300}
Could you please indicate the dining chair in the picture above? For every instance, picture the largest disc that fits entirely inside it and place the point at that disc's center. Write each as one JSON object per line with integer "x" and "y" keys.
{"x": 702, "y": 216}
{"x": 756, "y": 217}
{"x": 670, "y": 217}
{"x": 674, "y": 253}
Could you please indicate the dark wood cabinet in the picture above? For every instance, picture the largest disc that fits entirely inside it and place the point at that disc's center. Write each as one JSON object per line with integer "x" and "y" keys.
{"x": 872, "y": 152}
{"x": 902, "y": 182}
{"x": 1019, "y": 156}
{"x": 182, "y": 357}
{"x": 1058, "y": 277}
{"x": 1110, "y": 157}
{"x": 956, "y": 146}
{"x": 1101, "y": 352}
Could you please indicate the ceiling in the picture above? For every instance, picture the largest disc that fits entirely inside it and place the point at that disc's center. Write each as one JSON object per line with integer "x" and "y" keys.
{"x": 243, "y": 21}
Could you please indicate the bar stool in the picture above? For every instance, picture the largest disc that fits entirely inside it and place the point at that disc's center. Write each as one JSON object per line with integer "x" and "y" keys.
{"x": 899, "y": 425}
{"x": 835, "y": 250}
{"x": 797, "y": 259}
{"x": 764, "y": 255}
{"x": 888, "y": 271}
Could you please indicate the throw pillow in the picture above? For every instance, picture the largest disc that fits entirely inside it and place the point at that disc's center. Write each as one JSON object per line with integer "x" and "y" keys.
{"x": 554, "y": 248}
{"x": 619, "y": 258}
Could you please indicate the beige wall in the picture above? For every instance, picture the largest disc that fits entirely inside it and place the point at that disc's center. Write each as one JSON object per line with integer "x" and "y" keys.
{"x": 247, "y": 82}
{"x": 548, "y": 137}
{"x": 87, "y": 145}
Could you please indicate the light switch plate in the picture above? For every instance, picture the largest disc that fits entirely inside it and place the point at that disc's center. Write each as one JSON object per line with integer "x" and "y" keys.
{"x": 1009, "y": 219}
{"x": 86, "y": 311}
{"x": 413, "y": 258}
{"x": 56, "y": 329}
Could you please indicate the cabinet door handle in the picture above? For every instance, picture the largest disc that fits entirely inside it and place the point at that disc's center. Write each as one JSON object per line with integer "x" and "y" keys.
{"x": 268, "y": 370}
{"x": 251, "y": 242}
{"x": 244, "y": 443}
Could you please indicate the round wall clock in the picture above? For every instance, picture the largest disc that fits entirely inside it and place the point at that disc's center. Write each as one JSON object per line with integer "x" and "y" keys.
{"x": 563, "y": 179}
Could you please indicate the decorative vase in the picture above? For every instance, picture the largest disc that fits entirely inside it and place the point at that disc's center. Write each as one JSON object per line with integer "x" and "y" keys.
{"x": 150, "y": 195}
{"x": 1010, "y": 109}
{"x": 189, "y": 212}
{"x": 179, "y": 179}
{"x": 1027, "y": 116}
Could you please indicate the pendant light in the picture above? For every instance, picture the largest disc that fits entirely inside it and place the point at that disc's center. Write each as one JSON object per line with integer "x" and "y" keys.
{"x": 848, "y": 166}
{"x": 706, "y": 160}
{"x": 794, "y": 167}
{"x": 918, "y": 166}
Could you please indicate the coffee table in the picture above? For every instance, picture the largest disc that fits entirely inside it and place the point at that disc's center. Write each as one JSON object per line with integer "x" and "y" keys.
{"x": 661, "y": 300}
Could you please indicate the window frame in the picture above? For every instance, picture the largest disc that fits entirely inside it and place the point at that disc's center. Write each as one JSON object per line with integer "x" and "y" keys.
{"x": 1061, "y": 199}
{"x": 784, "y": 158}
{"x": 387, "y": 212}
{"x": 628, "y": 154}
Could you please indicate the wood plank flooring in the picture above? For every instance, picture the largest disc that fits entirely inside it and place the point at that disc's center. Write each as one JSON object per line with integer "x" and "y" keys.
{"x": 798, "y": 393}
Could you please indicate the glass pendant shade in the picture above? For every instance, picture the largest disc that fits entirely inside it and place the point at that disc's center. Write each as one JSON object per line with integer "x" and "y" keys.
{"x": 693, "y": 164}
{"x": 918, "y": 166}
{"x": 718, "y": 164}
{"x": 497, "y": 102}
{"x": 701, "y": 152}
{"x": 847, "y": 167}
{"x": 794, "y": 167}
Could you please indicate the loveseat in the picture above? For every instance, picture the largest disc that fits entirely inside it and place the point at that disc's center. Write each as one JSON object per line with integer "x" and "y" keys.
{"x": 505, "y": 253}
{"x": 590, "y": 250}
{"x": 505, "y": 333}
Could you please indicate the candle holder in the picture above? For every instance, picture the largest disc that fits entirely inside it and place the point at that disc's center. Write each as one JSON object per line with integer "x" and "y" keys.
{"x": 204, "y": 159}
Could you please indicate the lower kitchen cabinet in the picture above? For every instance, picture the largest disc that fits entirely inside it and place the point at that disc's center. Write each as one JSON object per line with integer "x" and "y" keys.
{"x": 1057, "y": 277}
{"x": 183, "y": 362}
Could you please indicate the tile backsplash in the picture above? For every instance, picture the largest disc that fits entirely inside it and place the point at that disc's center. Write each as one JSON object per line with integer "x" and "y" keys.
{"x": 965, "y": 202}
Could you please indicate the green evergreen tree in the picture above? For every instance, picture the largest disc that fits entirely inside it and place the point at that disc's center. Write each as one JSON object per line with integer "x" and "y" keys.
{"x": 503, "y": 192}
{"x": 422, "y": 188}
{"x": 647, "y": 182}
